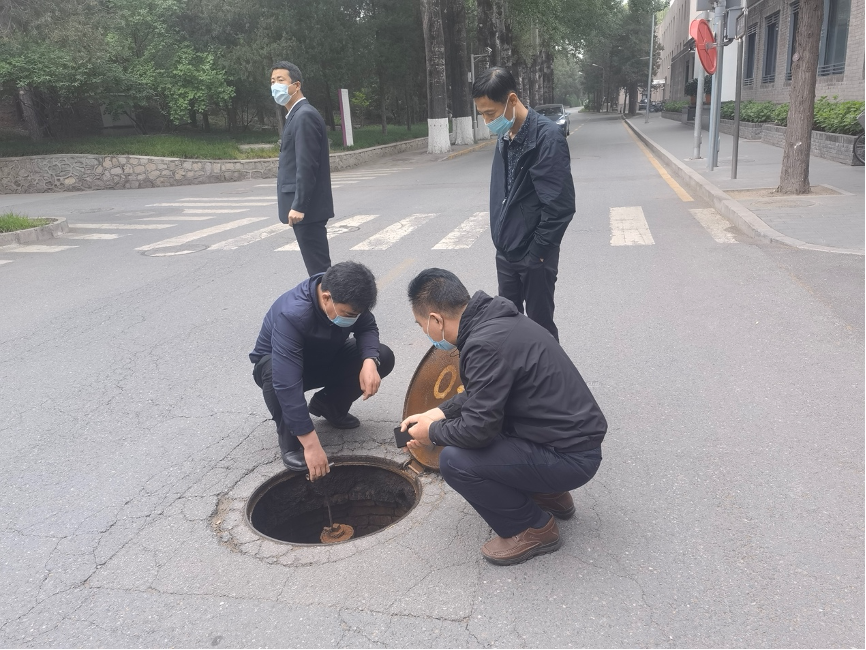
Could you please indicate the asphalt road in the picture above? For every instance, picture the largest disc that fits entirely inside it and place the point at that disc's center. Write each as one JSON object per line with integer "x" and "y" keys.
{"x": 728, "y": 510}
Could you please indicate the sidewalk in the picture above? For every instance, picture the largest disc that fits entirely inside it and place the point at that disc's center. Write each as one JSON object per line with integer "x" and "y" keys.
{"x": 831, "y": 219}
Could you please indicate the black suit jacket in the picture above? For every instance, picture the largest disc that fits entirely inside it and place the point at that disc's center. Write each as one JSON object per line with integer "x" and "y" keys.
{"x": 304, "y": 174}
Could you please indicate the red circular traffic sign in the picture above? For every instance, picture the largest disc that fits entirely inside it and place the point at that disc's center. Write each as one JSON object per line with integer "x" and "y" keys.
{"x": 705, "y": 44}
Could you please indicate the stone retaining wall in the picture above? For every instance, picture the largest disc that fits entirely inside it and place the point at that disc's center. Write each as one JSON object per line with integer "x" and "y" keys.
{"x": 830, "y": 146}
{"x": 77, "y": 172}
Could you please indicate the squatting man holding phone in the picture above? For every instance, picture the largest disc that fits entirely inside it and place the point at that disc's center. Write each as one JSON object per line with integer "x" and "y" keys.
{"x": 304, "y": 343}
{"x": 526, "y": 429}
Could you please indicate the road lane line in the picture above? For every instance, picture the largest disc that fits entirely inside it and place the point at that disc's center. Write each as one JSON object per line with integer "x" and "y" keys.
{"x": 122, "y": 226}
{"x": 198, "y": 234}
{"x": 249, "y": 238}
{"x": 250, "y": 204}
{"x": 334, "y": 229}
{"x": 466, "y": 233}
{"x": 37, "y": 248}
{"x": 676, "y": 187}
{"x": 715, "y": 224}
{"x": 94, "y": 235}
{"x": 233, "y": 198}
{"x": 395, "y": 273}
{"x": 193, "y": 211}
{"x": 628, "y": 227}
{"x": 5, "y": 261}
{"x": 175, "y": 218}
{"x": 393, "y": 233}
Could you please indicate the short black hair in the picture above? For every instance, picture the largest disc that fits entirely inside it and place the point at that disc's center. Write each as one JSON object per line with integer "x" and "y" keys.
{"x": 437, "y": 290}
{"x": 351, "y": 283}
{"x": 495, "y": 83}
{"x": 294, "y": 71}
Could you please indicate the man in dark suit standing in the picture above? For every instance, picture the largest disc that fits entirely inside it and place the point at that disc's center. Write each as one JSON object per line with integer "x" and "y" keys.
{"x": 304, "y": 176}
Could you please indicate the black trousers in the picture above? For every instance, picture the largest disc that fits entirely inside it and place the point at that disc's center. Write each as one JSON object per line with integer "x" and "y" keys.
{"x": 498, "y": 480}
{"x": 532, "y": 282}
{"x": 313, "y": 242}
{"x": 337, "y": 379}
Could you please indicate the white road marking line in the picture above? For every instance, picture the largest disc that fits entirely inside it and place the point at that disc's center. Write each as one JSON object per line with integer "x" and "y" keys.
{"x": 37, "y": 248}
{"x": 466, "y": 233}
{"x": 393, "y": 233}
{"x": 266, "y": 185}
{"x": 355, "y": 179}
{"x": 5, "y": 261}
{"x": 250, "y": 204}
{"x": 175, "y": 218}
{"x": 122, "y": 226}
{"x": 198, "y": 234}
{"x": 334, "y": 229}
{"x": 170, "y": 253}
{"x": 344, "y": 182}
{"x": 628, "y": 227}
{"x": 192, "y": 211}
{"x": 249, "y": 238}
{"x": 234, "y": 198}
{"x": 94, "y": 235}
{"x": 715, "y": 224}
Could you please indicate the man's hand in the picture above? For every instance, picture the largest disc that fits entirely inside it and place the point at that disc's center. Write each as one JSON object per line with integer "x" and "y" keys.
{"x": 419, "y": 427}
{"x": 295, "y": 217}
{"x": 369, "y": 378}
{"x": 314, "y": 455}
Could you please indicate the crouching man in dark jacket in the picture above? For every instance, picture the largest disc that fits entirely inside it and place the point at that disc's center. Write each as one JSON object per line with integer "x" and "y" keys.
{"x": 526, "y": 429}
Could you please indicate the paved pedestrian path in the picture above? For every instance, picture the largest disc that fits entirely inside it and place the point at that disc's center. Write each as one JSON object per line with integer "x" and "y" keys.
{"x": 832, "y": 216}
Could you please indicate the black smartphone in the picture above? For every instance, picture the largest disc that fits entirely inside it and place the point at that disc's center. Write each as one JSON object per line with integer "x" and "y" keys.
{"x": 401, "y": 437}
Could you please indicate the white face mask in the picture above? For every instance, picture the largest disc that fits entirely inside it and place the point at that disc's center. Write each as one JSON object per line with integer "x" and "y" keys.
{"x": 280, "y": 93}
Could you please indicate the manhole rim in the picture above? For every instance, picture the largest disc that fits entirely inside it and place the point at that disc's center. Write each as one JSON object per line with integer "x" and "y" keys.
{"x": 338, "y": 461}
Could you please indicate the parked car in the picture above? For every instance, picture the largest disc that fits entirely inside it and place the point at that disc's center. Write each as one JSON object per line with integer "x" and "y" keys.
{"x": 556, "y": 113}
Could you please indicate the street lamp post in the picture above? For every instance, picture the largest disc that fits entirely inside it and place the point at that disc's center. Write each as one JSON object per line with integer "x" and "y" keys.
{"x": 472, "y": 110}
{"x": 602, "y": 82}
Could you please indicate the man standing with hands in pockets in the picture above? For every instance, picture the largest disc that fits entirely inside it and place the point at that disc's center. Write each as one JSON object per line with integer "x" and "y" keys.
{"x": 304, "y": 194}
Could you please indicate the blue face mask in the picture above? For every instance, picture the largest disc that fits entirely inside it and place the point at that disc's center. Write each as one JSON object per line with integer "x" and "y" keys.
{"x": 280, "y": 93}
{"x": 500, "y": 126}
{"x": 440, "y": 345}
{"x": 342, "y": 321}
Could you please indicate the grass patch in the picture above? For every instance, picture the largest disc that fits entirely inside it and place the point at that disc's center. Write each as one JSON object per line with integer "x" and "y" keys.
{"x": 11, "y": 222}
{"x": 196, "y": 145}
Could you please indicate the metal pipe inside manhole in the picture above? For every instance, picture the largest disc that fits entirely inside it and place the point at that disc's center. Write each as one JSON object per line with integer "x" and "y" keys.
{"x": 365, "y": 495}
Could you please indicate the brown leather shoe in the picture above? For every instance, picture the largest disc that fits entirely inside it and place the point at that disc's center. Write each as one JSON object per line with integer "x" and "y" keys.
{"x": 559, "y": 504}
{"x": 521, "y": 547}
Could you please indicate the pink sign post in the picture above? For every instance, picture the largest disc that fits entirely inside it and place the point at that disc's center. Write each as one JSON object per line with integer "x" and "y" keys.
{"x": 346, "y": 118}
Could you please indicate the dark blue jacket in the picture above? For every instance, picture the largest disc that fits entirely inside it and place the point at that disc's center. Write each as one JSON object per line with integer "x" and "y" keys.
{"x": 533, "y": 217}
{"x": 295, "y": 332}
{"x": 518, "y": 381}
{"x": 304, "y": 174}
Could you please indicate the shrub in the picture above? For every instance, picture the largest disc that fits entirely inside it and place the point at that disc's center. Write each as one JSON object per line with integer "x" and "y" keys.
{"x": 837, "y": 117}
{"x": 10, "y": 222}
{"x": 675, "y": 107}
{"x": 727, "y": 112}
{"x": 691, "y": 88}
{"x": 708, "y": 84}
{"x": 780, "y": 115}
{"x": 761, "y": 112}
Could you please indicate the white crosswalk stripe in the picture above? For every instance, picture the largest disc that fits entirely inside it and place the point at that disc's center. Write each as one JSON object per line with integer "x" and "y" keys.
{"x": 249, "y": 238}
{"x": 715, "y": 224}
{"x": 337, "y": 228}
{"x": 196, "y": 211}
{"x": 628, "y": 227}
{"x": 198, "y": 234}
{"x": 175, "y": 218}
{"x": 37, "y": 248}
{"x": 233, "y": 198}
{"x": 247, "y": 204}
{"x": 122, "y": 226}
{"x": 466, "y": 233}
{"x": 393, "y": 233}
{"x": 92, "y": 235}
{"x": 5, "y": 261}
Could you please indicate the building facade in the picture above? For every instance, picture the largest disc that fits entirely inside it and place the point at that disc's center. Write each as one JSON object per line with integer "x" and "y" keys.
{"x": 768, "y": 48}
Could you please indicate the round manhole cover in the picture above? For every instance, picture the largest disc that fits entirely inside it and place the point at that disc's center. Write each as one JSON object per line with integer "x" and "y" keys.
{"x": 364, "y": 496}
{"x": 172, "y": 251}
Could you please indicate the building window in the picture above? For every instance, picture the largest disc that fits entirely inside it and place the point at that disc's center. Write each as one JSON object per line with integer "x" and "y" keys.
{"x": 792, "y": 37}
{"x": 834, "y": 37}
{"x": 771, "y": 42}
{"x": 749, "y": 55}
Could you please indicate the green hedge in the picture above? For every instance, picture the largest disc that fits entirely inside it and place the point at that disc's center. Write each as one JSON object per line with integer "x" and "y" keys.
{"x": 830, "y": 116}
{"x": 675, "y": 107}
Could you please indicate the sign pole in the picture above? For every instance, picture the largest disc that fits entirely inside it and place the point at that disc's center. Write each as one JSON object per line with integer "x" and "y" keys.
{"x": 736, "y": 150}
{"x": 699, "y": 102}
{"x": 346, "y": 118}
{"x": 715, "y": 104}
{"x": 717, "y": 87}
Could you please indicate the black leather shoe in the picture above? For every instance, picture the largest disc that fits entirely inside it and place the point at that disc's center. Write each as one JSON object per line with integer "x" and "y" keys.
{"x": 294, "y": 460}
{"x": 321, "y": 408}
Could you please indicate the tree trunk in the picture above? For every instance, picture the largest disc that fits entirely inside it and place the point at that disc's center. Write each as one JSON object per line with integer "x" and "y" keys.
{"x": 459, "y": 57}
{"x": 383, "y": 96}
{"x": 205, "y": 121}
{"x": 329, "y": 108}
{"x": 25, "y": 96}
{"x": 632, "y": 98}
{"x": 547, "y": 57}
{"x": 437, "y": 108}
{"x": 485, "y": 33}
{"x": 794, "y": 178}
{"x": 408, "y": 110}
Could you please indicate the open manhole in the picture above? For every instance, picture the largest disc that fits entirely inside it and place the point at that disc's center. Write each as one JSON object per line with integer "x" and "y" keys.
{"x": 365, "y": 495}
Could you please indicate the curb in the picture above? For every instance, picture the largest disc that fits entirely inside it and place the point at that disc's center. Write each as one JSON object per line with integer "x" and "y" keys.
{"x": 732, "y": 210}
{"x": 40, "y": 233}
{"x": 471, "y": 149}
